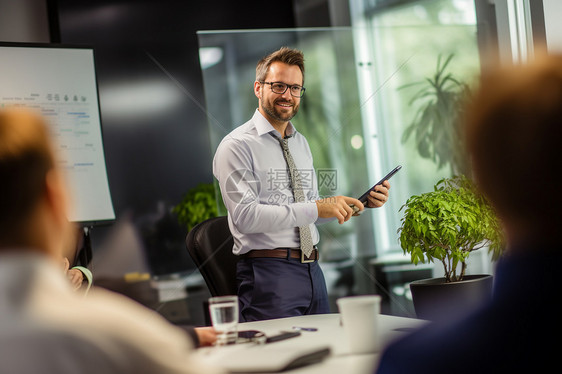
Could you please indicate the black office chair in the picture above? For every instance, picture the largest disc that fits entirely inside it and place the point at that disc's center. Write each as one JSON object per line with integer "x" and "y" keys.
{"x": 210, "y": 244}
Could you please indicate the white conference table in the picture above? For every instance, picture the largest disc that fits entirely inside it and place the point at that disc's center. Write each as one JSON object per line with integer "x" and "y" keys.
{"x": 330, "y": 333}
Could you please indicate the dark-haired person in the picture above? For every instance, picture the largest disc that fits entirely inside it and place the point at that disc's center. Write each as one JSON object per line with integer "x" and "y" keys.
{"x": 46, "y": 327}
{"x": 266, "y": 175}
{"x": 513, "y": 134}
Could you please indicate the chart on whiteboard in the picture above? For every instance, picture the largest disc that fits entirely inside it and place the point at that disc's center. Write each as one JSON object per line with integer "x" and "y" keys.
{"x": 60, "y": 85}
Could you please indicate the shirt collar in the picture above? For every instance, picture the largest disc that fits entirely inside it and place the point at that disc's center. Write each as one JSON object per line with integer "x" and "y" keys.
{"x": 263, "y": 126}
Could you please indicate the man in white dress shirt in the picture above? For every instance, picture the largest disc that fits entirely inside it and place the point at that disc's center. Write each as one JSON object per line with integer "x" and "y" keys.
{"x": 265, "y": 215}
{"x": 46, "y": 327}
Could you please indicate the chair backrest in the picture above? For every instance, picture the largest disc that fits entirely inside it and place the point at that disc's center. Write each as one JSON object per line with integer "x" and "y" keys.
{"x": 210, "y": 244}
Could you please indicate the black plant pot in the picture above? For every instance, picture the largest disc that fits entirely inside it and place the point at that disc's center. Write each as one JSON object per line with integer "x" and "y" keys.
{"x": 436, "y": 300}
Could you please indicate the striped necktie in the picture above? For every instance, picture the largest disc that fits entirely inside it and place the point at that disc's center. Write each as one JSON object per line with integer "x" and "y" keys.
{"x": 298, "y": 193}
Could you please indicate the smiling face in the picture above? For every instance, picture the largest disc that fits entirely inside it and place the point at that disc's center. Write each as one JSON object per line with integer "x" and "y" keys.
{"x": 278, "y": 109}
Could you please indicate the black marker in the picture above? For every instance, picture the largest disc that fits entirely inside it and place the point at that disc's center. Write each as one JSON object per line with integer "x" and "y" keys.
{"x": 282, "y": 336}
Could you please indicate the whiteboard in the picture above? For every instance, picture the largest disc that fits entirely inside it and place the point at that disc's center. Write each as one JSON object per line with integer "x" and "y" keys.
{"x": 60, "y": 84}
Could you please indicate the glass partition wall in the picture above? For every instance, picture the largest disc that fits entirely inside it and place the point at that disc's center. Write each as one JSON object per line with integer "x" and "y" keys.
{"x": 357, "y": 107}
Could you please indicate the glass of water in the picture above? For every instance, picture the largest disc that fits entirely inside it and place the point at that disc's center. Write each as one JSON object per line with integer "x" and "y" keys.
{"x": 224, "y": 316}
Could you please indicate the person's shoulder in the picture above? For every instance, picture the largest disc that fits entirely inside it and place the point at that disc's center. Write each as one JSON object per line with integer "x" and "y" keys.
{"x": 244, "y": 138}
{"x": 419, "y": 352}
{"x": 55, "y": 348}
{"x": 435, "y": 348}
{"x": 244, "y": 133}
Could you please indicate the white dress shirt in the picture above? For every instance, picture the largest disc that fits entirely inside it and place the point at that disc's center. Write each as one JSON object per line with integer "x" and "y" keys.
{"x": 47, "y": 328}
{"x": 255, "y": 184}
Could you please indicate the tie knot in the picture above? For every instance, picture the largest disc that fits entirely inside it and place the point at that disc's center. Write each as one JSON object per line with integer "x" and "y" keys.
{"x": 284, "y": 141}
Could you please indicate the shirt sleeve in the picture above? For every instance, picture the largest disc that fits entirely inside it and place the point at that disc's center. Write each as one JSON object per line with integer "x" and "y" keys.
{"x": 240, "y": 188}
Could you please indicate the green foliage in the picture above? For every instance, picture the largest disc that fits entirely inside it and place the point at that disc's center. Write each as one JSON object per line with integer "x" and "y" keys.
{"x": 449, "y": 223}
{"x": 197, "y": 205}
{"x": 436, "y": 127}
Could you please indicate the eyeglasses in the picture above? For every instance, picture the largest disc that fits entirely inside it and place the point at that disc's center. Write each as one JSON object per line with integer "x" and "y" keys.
{"x": 280, "y": 88}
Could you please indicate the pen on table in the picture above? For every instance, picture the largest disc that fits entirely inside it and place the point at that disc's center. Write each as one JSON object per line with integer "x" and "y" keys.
{"x": 305, "y": 328}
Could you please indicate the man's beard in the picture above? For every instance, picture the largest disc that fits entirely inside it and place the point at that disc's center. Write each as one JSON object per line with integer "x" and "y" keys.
{"x": 276, "y": 115}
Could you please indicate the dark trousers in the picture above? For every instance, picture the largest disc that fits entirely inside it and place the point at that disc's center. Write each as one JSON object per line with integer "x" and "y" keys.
{"x": 275, "y": 288}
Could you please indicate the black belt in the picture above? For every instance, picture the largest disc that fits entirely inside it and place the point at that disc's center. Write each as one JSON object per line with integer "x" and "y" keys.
{"x": 283, "y": 253}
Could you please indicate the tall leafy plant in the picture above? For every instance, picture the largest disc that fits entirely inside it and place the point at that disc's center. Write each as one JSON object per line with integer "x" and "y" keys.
{"x": 436, "y": 127}
{"x": 449, "y": 223}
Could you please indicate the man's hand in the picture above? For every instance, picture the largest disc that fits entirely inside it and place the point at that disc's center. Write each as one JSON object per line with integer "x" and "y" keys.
{"x": 207, "y": 336}
{"x": 76, "y": 278}
{"x": 337, "y": 206}
{"x": 380, "y": 197}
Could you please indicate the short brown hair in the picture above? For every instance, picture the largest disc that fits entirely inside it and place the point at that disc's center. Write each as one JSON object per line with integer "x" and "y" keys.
{"x": 26, "y": 156}
{"x": 513, "y": 131}
{"x": 285, "y": 55}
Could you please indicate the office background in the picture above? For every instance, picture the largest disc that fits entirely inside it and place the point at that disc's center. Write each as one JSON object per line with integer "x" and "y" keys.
{"x": 156, "y": 130}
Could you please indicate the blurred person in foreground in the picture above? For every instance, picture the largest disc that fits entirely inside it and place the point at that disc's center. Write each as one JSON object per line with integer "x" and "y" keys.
{"x": 513, "y": 134}
{"x": 45, "y": 327}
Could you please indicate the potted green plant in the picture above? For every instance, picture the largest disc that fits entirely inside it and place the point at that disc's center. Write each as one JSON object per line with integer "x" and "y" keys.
{"x": 436, "y": 127}
{"x": 197, "y": 205}
{"x": 446, "y": 226}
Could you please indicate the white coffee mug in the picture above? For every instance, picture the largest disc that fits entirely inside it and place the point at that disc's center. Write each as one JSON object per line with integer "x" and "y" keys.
{"x": 359, "y": 315}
